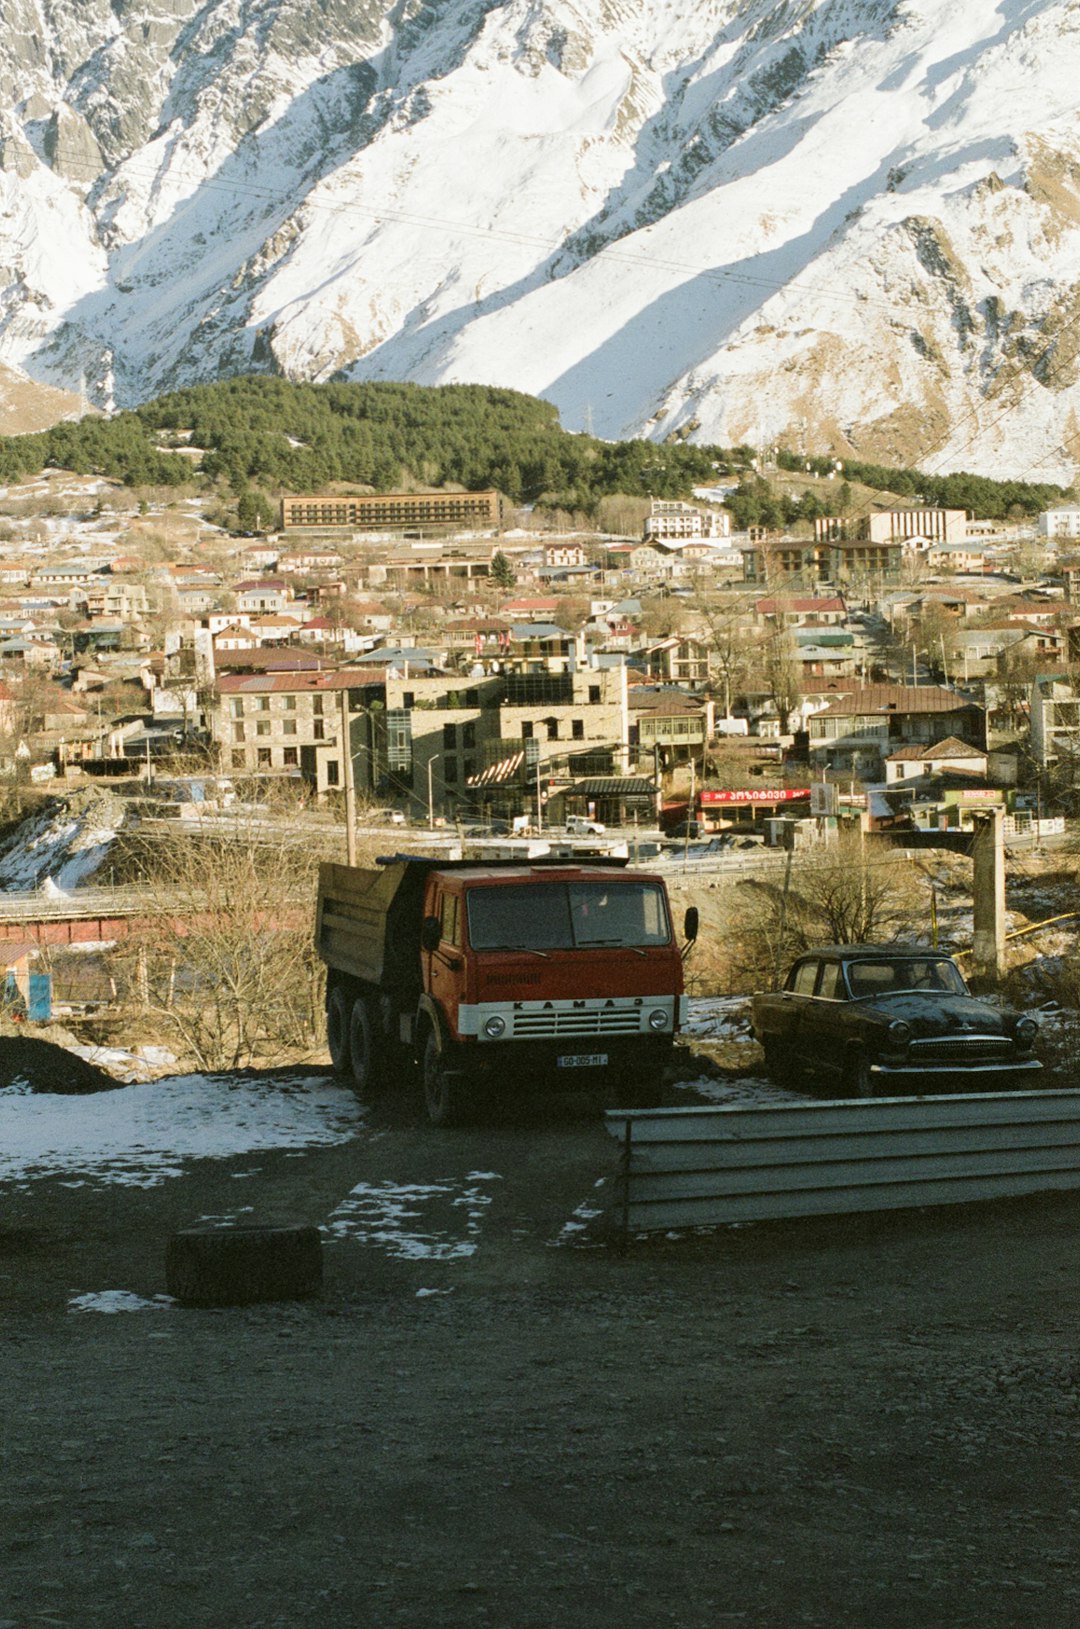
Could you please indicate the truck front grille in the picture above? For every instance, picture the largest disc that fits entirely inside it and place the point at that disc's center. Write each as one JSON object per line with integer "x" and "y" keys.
{"x": 624, "y": 1021}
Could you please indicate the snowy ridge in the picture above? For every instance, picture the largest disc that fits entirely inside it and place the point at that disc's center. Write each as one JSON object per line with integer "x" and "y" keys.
{"x": 847, "y": 224}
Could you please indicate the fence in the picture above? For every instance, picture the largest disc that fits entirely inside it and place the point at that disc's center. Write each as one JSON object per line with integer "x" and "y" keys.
{"x": 710, "y": 1167}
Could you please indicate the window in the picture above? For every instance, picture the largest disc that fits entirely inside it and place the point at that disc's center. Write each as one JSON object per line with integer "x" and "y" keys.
{"x": 468, "y": 735}
{"x": 317, "y": 704}
{"x": 552, "y": 729}
{"x": 594, "y": 694}
{"x": 526, "y": 729}
{"x": 262, "y": 758}
{"x": 238, "y": 732}
{"x": 577, "y": 729}
{"x": 832, "y": 985}
{"x": 262, "y": 704}
{"x": 290, "y": 757}
{"x": 288, "y": 726}
{"x": 239, "y": 760}
{"x": 450, "y": 916}
{"x": 237, "y": 706}
{"x": 559, "y": 916}
{"x": 318, "y": 729}
{"x": 409, "y": 698}
{"x": 449, "y": 736}
{"x": 805, "y": 978}
{"x": 289, "y": 703}
{"x": 262, "y": 726}
{"x": 332, "y": 770}
{"x": 450, "y": 770}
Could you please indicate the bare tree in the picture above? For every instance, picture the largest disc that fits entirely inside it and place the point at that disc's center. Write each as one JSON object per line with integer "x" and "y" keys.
{"x": 722, "y": 620}
{"x": 842, "y": 892}
{"x": 224, "y": 965}
{"x": 783, "y": 676}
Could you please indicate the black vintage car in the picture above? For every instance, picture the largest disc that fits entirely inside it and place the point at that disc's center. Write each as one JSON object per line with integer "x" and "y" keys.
{"x": 881, "y": 1020}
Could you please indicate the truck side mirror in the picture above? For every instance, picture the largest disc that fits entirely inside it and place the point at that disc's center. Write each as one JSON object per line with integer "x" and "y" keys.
{"x": 690, "y": 924}
{"x": 430, "y": 933}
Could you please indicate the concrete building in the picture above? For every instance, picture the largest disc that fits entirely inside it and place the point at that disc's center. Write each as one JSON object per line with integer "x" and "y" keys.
{"x": 393, "y": 512}
{"x": 1063, "y": 522}
{"x": 1055, "y": 719}
{"x": 670, "y": 522}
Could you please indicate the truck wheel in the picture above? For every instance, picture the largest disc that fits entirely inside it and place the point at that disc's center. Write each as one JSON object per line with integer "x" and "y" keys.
{"x": 337, "y": 1027}
{"x": 363, "y": 1048}
{"x": 442, "y": 1094}
{"x": 858, "y": 1081}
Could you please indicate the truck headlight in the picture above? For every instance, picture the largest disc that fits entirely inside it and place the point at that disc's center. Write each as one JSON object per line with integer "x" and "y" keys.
{"x": 494, "y": 1026}
{"x": 658, "y": 1019}
{"x": 1026, "y": 1031}
{"x": 899, "y": 1033}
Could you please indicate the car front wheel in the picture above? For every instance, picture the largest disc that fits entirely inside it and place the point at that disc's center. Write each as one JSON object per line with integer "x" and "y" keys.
{"x": 858, "y": 1081}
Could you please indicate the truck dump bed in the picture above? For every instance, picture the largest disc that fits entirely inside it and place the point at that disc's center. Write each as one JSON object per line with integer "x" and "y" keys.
{"x": 360, "y": 912}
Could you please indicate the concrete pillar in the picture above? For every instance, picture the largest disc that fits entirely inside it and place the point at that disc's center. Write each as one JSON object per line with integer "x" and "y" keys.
{"x": 988, "y": 853}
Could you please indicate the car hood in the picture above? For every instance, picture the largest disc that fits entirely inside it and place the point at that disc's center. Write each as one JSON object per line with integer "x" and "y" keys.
{"x": 932, "y": 1013}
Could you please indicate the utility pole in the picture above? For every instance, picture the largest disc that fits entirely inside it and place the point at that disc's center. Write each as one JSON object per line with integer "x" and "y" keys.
{"x": 432, "y": 761}
{"x": 347, "y": 776}
{"x": 988, "y": 854}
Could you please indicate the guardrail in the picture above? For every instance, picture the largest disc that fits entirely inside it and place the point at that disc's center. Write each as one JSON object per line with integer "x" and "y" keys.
{"x": 40, "y": 905}
{"x": 709, "y": 1167}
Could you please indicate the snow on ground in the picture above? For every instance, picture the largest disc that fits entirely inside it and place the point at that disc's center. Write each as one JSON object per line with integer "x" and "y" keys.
{"x": 147, "y": 1063}
{"x": 64, "y": 845}
{"x": 414, "y": 1221}
{"x": 141, "y": 1136}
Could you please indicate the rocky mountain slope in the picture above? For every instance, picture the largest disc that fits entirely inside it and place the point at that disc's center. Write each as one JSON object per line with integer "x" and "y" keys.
{"x": 850, "y": 224}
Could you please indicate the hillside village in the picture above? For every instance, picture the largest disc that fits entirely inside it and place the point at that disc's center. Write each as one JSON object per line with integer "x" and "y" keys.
{"x": 493, "y": 665}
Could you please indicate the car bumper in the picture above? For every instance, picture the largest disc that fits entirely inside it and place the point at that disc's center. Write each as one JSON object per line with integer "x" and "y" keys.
{"x": 1005, "y": 1069}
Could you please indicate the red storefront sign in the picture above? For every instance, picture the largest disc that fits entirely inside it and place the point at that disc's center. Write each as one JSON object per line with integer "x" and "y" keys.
{"x": 773, "y": 794}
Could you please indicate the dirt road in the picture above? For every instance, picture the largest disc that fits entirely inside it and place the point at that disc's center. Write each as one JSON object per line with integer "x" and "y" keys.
{"x": 492, "y": 1417}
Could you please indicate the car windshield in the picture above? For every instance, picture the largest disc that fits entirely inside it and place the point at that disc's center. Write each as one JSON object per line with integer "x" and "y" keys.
{"x": 568, "y": 916}
{"x": 890, "y": 975}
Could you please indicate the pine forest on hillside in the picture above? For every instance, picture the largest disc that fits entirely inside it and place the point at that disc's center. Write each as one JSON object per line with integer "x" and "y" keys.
{"x": 272, "y": 435}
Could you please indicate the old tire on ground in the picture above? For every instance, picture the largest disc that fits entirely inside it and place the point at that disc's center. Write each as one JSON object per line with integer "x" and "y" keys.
{"x": 443, "y": 1092}
{"x": 337, "y": 1027}
{"x": 365, "y": 1057}
{"x": 858, "y": 1081}
{"x": 236, "y": 1266}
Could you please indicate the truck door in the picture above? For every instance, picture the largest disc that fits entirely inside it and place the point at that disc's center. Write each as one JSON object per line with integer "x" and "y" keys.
{"x": 447, "y": 963}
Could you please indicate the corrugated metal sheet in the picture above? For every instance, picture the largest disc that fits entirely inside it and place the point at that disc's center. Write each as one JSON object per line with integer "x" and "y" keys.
{"x": 712, "y": 1166}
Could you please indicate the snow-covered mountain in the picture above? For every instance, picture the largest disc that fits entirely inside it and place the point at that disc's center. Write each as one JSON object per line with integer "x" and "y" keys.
{"x": 850, "y": 224}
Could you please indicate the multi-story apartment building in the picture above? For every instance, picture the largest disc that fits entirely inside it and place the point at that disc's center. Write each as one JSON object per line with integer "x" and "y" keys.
{"x": 1063, "y": 522}
{"x": 505, "y": 741}
{"x": 894, "y": 525}
{"x": 393, "y": 511}
{"x": 670, "y": 522}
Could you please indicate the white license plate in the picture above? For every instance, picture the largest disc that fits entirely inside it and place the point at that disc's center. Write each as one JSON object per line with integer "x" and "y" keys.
{"x": 582, "y": 1060}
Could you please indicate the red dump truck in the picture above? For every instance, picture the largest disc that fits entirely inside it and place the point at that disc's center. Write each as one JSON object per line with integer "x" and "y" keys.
{"x": 496, "y": 975}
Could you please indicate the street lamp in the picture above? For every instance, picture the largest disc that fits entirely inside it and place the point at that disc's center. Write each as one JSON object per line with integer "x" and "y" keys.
{"x": 432, "y": 761}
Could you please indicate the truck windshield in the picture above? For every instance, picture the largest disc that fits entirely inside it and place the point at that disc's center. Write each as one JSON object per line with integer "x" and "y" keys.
{"x": 568, "y": 916}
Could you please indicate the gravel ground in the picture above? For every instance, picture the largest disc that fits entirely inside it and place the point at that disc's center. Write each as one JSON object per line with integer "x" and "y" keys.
{"x": 847, "y": 1422}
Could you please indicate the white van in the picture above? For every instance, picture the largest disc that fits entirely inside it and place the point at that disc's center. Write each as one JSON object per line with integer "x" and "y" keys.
{"x": 582, "y": 826}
